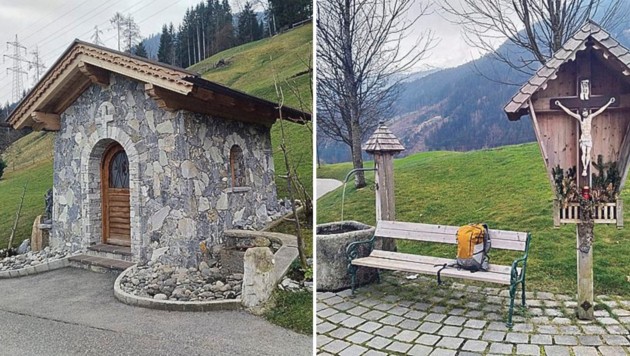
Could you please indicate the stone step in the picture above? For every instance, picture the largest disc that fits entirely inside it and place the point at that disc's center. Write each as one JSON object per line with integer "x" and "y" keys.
{"x": 113, "y": 252}
{"x": 99, "y": 264}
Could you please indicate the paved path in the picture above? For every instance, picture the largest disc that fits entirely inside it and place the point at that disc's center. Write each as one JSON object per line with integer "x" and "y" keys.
{"x": 325, "y": 185}
{"x": 400, "y": 316}
{"x": 74, "y": 312}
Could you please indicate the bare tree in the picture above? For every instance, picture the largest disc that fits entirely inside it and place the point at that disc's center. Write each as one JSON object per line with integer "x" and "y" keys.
{"x": 361, "y": 60}
{"x": 537, "y": 28}
{"x": 127, "y": 31}
{"x": 131, "y": 32}
{"x": 118, "y": 22}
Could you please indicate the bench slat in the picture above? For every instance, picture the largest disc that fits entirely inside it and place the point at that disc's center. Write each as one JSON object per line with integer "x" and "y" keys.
{"x": 448, "y": 229}
{"x": 506, "y": 240}
{"x": 414, "y": 267}
{"x": 397, "y": 256}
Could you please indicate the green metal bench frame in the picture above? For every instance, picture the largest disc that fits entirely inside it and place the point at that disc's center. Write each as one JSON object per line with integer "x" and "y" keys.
{"x": 352, "y": 252}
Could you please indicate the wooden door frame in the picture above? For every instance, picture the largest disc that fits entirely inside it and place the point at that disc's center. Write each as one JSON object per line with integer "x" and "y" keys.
{"x": 110, "y": 152}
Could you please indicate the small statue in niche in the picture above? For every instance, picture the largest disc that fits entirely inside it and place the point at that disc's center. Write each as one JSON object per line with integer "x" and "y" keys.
{"x": 585, "y": 89}
{"x": 48, "y": 197}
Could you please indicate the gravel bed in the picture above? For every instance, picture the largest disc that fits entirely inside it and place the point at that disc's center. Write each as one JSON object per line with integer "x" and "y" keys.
{"x": 32, "y": 258}
{"x": 165, "y": 282}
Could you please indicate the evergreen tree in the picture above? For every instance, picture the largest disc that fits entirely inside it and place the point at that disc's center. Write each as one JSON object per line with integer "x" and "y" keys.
{"x": 173, "y": 36}
{"x": 225, "y": 36}
{"x": 205, "y": 30}
{"x": 166, "y": 46}
{"x": 248, "y": 27}
{"x": 284, "y": 13}
{"x": 140, "y": 50}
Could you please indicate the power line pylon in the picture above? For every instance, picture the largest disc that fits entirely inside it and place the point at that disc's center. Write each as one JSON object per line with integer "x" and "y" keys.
{"x": 96, "y": 37}
{"x": 36, "y": 64}
{"x": 17, "y": 70}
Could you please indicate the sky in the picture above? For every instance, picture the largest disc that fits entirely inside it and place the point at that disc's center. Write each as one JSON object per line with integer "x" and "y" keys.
{"x": 51, "y": 25}
{"x": 449, "y": 47}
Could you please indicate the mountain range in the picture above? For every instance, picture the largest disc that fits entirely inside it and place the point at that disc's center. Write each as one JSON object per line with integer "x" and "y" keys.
{"x": 457, "y": 109}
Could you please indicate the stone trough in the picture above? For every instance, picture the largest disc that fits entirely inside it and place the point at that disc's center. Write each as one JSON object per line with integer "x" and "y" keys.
{"x": 332, "y": 240}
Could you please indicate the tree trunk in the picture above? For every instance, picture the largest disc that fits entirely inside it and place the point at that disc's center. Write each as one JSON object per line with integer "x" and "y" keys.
{"x": 357, "y": 159}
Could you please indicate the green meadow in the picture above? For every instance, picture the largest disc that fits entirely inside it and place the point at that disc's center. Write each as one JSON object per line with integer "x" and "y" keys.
{"x": 505, "y": 187}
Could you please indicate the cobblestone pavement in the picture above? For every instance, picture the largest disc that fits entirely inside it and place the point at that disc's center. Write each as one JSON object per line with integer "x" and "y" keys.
{"x": 416, "y": 317}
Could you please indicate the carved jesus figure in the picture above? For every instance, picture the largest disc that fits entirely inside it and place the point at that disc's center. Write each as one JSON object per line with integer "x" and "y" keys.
{"x": 585, "y": 119}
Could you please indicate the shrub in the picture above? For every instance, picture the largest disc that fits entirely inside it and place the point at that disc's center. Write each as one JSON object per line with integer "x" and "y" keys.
{"x": 3, "y": 165}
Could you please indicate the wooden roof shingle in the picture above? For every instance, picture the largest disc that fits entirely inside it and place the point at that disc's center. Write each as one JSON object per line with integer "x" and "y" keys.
{"x": 383, "y": 140}
{"x": 518, "y": 105}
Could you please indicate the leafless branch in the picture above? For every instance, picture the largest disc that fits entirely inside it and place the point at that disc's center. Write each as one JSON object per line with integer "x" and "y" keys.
{"x": 361, "y": 63}
{"x": 536, "y": 28}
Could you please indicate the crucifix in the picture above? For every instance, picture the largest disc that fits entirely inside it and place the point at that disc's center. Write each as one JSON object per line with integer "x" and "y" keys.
{"x": 585, "y": 84}
{"x": 581, "y": 108}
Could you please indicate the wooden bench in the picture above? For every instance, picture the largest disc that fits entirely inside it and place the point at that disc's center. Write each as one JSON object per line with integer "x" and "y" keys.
{"x": 501, "y": 240}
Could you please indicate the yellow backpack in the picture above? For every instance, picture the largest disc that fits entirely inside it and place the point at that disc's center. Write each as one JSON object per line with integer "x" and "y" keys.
{"x": 473, "y": 246}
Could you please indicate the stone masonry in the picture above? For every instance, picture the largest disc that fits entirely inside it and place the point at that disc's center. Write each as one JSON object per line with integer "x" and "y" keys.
{"x": 180, "y": 188}
{"x": 414, "y": 317}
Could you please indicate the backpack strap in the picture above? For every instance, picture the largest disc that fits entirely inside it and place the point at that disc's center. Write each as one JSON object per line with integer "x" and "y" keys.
{"x": 486, "y": 238}
{"x": 439, "y": 279}
{"x": 444, "y": 266}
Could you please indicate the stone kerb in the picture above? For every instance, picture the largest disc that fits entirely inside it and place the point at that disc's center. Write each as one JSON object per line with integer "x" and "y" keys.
{"x": 171, "y": 305}
{"x": 31, "y": 270}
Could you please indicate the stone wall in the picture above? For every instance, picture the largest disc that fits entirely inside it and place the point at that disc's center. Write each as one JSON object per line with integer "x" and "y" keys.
{"x": 180, "y": 187}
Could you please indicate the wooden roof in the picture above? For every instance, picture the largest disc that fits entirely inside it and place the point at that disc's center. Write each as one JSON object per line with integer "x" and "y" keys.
{"x": 383, "y": 140}
{"x": 601, "y": 41}
{"x": 84, "y": 64}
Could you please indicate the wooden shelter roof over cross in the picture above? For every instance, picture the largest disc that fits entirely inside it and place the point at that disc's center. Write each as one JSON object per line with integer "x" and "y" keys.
{"x": 585, "y": 75}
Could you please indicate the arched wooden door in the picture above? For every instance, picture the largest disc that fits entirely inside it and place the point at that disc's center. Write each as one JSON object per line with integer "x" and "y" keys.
{"x": 115, "y": 196}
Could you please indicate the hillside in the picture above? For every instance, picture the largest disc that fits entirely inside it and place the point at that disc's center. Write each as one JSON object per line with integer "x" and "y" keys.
{"x": 29, "y": 162}
{"x": 506, "y": 188}
{"x": 30, "y": 157}
{"x": 253, "y": 67}
{"x": 464, "y": 106}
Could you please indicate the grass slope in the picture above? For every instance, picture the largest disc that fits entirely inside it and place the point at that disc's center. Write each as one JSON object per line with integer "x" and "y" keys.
{"x": 505, "y": 187}
{"x": 252, "y": 68}
{"x": 29, "y": 162}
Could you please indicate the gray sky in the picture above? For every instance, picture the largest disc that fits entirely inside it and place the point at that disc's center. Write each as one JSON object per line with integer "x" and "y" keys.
{"x": 51, "y": 25}
{"x": 450, "y": 48}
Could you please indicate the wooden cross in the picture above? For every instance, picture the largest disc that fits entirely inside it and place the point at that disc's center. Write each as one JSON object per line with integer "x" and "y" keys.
{"x": 580, "y": 107}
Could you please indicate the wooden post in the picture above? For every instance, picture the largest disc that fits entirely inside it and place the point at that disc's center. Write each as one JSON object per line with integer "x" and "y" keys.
{"x": 619, "y": 213}
{"x": 585, "y": 281}
{"x": 556, "y": 213}
{"x": 384, "y": 145}
{"x": 385, "y": 200}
